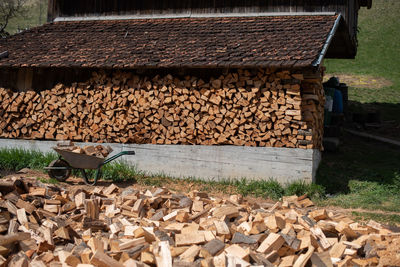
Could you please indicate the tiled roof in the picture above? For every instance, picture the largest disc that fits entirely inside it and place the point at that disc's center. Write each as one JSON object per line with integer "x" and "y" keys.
{"x": 276, "y": 41}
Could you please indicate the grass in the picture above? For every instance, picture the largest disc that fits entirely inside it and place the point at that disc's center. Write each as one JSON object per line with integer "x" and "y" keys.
{"x": 48, "y": 181}
{"x": 365, "y": 174}
{"x": 117, "y": 171}
{"x": 377, "y": 56}
{"x": 367, "y": 195}
{"x": 358, "y": 159}
{"x": 271, "y": 189}
{"x": 16, "y": 159}
{"x": 385, "y": 218}
{"x": 362, "y": 174}
{"x": 35, "y": 13}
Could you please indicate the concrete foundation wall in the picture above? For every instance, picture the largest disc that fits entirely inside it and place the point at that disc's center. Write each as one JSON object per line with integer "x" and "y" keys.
{"x": 208, "y": 162}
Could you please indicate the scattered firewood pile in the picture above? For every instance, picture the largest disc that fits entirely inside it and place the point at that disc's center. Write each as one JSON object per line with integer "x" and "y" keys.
{"x": 254, "y": 108}
{"x": 110, "y": 226}
{"x": 97, "y": 151}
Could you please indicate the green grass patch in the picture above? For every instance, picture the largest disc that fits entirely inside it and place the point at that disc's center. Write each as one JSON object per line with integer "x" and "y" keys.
{"x": 34, "y": 14}
{"x": 377, "y": 56}
{"x": 119, "y": 171}
{"x": 48, "y": 181}
{"x": 267, "y": 189}
{"x": 314, "y": 191}
{"x": 383, "y": 218}
{"x": 365, "y": 174}
{"x": 224, "y": 186}
{"x": 15, "y": 159}
{"x": 116, "y": 171}
{"x": 274, "y": 190}
{"x": 361, "y": 174}
{"x": 378, "y": 50}
{"x": 358, "y": 159}
{"x": 367, "y": 195}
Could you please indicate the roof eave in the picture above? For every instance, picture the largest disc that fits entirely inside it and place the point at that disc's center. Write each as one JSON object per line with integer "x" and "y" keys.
{"x": 317, "y": 62}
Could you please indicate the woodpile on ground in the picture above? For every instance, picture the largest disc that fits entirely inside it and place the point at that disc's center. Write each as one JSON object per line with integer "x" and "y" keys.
{"x": 248, "y": 107}
{"x": 97, "y": 151}
{"x": 46, "y": 225}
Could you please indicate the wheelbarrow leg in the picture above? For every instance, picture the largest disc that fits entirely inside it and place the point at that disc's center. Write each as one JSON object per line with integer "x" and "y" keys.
{"x": 86, "y": 179}
{"x": 98, "y": 171}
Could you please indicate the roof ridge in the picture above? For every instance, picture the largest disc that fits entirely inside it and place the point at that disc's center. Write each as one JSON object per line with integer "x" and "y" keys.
{"x": 194, "y": 15}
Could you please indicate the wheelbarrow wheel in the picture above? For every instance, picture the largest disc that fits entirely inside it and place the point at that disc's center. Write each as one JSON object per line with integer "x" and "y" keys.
{"x": 59, "y": 174}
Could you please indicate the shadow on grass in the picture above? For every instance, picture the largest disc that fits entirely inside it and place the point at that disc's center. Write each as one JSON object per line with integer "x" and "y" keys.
{"x": 388, "y": 111}
{"x": 361, "y": 160}
{"x": 364, "y": 173}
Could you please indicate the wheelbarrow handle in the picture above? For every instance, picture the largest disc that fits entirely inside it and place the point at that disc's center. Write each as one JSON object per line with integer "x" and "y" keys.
{"x": 118, "y": 155}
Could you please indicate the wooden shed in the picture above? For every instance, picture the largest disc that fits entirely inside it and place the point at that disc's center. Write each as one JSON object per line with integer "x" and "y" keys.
{"x": 237, "y": 78}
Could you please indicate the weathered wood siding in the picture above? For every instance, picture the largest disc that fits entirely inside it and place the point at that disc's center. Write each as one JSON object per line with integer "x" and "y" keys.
{"x": 22, "y": 79}
{"x": 123, "y": 7}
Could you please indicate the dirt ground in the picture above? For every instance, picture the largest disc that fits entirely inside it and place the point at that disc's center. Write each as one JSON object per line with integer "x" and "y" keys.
{"x": 361, "y": 81}
{"x": 72, "y": 183}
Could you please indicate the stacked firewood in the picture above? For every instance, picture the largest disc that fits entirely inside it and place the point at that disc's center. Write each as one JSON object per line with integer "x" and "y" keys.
{"x": 253, "y": 108}
{"x": 110, "y": 226}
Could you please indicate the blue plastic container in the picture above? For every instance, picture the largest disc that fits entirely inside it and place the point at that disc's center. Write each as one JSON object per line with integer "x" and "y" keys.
{"x": 337, "y": 102}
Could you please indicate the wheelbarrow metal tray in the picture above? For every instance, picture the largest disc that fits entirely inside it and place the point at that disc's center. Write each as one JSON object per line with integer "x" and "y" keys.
{"x": 80, "y": 161}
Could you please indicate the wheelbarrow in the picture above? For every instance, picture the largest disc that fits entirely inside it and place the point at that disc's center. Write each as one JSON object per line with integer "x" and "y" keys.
{"x": 60, "y": 169}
